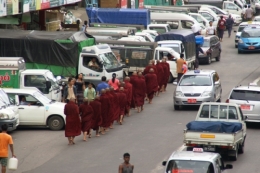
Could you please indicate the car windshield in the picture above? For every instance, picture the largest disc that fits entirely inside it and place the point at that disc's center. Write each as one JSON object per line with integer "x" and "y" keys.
{"x": 241, "y": 28}
{"x": 195, "y": 80}
{"x": 109, "y": 60}
{"x": 190, "y": 166}
{"x": 249, "y": 33}
{"x": 42, "y": 98}
{"x": 159, "y": 30}
{"x": 206, "y": 43}
{"x": 4, "y": 98}
{"x": 245, "y": 95}
{"x": 52, "y": 79}
{"x": 174, "y": 46}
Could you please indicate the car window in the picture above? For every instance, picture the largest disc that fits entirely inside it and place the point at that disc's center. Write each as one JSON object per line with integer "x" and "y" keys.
{"x": 241, "y": 28}
{"x": 245, "y": 95}
{"x": 186, "y": 24}
{"x": 160, "y": 30}
{"x": 207, "y": 16}
{"x": 219, "y": 112}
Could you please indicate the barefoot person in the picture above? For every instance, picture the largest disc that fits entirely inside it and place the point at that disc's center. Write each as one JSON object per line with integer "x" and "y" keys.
{"x": 72, "y": 128}
{"x": 129, "y": 88}
{"x": 167, "y": 73}
{"x": 86, "y": 113}
{"x": 151, "y": 84}
{"x": 5, "y": 140}
{"x": 97, "y": 118}
{"x": 160, "y": 72}
{"x": 140, "y": 92}
{"x": 122, "y": 104}
{"x": 105, "y": 104}
{"x": 126, "y": 167}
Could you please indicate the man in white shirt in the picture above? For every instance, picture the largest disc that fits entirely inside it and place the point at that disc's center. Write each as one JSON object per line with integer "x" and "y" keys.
{"x": 211, "y": 30}
{"x": 93, "y": 64}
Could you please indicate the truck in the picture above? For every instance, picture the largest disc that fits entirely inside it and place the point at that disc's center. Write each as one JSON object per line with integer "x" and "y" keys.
{"x": 218, "y": 127}
{"x": 196, "y": 161}
{"x": 181, "y": 41}
{"x": 133, "y": 55}
{"x": 65, "y": 54}
{"x": 14, "y": 75}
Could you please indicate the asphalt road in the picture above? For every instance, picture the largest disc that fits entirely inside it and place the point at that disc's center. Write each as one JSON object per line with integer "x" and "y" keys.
{"x": 150, "y": 137}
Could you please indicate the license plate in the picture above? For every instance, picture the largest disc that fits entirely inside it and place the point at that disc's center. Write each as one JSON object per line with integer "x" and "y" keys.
{"x": 192, "y": 101}
{"x": 209, "y": 148}
{"x": 251, "y": 47}
{"x": 245, "y": 107}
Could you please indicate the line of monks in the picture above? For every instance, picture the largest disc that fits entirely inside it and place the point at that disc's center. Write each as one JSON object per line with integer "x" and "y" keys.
{"x": 112, "y": 105}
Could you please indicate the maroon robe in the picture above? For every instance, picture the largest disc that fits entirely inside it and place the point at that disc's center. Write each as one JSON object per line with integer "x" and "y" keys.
{"x": 132, "y": 81}
{"x": 72, "y": 128}
{"x": 111, "y": 107}
{"x": 129, "y": 96}
{"x": 166, "y": 67}
{"x": 160, "y": 75}
{"x": 147, "y": 69}
{"x": 151, "y": 84}
{"x": 105, "y": 104}
{"x": 123, "y": 102}
{"x": 86, "y": 112}
{"x": 116, "y": 110}
{"x": 140, "y": 91}
{"x": 97, "y": 118}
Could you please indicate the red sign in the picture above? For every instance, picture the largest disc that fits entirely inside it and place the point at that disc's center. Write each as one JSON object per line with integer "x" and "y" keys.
{"x": 141, "y": 3}
{"x": 245, "y": 107}
{"x": 123, "y": 3}
{"x": 6, "y": 77}
{"x": 192, "y": 101}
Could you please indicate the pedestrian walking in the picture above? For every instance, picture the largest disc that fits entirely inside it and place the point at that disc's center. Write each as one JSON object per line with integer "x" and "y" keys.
{"x": 84, "y": 26}
{"x": 97, "y": 118}
{"x": 122, "y": 104}
{"x": 211, "y": 30}
{"x": 72, "y": 127}
{"x": 167, "y": 73}
{"x": 249, "y": 14}
{"x": 80, "y": 85}
{"x": 5, "y": 141}
{"x": 160, "y": 76}
{"x": 139, "y": 92}
{"x": 90, "y": 92}
{"x": 114, "y": 82}
{"x": 221, "y": 28}
{"x": 151, "y": 85}
{"x": 102, "y": 85}
{"x": 70, "y": 91}
{"x": 129, "y": 88}
{"x": 86, "y": 113}
{"x": 126, "y": 167}
{"x": 229, "y": 24}
{"x": 105, "y": 104}
{"x": 179, "y": 63}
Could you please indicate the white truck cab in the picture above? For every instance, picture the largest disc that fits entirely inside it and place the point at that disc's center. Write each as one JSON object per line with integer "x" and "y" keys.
{"x": 210, "y": 16}
{"x": 196, "y": 161}
{"x": 36, "y": 109}
{"x": 152, "y": 32}
{"x": 106, "y": 60}
{"x": 159, "y": 28}
{"x": 200, "y": 19}
{"x": 146, "y": 36}
{"x": 231, "y": 7}
{"x": 8, "y": 112}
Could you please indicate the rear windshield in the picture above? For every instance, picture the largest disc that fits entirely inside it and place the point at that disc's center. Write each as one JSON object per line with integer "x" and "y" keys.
{"x": 160, "y": 30}
{"x": 245, "y": 95}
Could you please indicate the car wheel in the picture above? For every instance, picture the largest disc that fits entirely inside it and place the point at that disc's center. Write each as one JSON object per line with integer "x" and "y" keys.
{"x": 55, "y": 123}
{"x": 176, "y": 107}
{"x": 239, "y": 51}
{"x": 235, "y": 46}
{"x": 209, "y": 59}
{"x": 234, "y": 158}
{"x": 170, "y": 80}
{"x": 218, "y": 57}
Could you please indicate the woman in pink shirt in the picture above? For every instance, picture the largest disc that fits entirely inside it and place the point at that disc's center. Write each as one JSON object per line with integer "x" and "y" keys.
{"x": 114, "y": 82}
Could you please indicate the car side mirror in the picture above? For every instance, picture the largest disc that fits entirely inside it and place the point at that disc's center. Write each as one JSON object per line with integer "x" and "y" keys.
{"x": 48, "y": 85}
{"x": 228, "y": 166}
{"x": 174, "y": 83}
{"x": 164, "y": 163}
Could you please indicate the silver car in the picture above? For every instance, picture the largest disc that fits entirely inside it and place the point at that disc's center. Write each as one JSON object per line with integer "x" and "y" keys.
{"x": 196, "y": 87}
{"x": 248, "y": 97}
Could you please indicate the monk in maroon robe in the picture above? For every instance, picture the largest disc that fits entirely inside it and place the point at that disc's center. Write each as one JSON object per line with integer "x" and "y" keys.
{"x": 97, "y": 118}
{"x": 150, "y": 65}
{"x": 86, "y": 113}
{"x": 105, "y": 104}
{"x": 140, "y": 91}
{"x": 122, "y": 103}
{"x": 72, "y": 127}
{"x": 111, "y": 107}
{"x": 160, "y": 75}
{"x": 129, "y": 88}
{"x": 116, "y": 101}
{"x": 133, "y": 79}
{"x": 151, "y": 85}
{"x": 122, "y": 84}
{"x": 167, "y": 73}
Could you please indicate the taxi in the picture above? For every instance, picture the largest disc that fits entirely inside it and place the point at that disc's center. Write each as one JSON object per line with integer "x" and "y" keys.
{"x": 249, "y": 40}
{"x": 196, "y": 161}
{"x": 241, "y": 28}
{"x": 196, "y": 87}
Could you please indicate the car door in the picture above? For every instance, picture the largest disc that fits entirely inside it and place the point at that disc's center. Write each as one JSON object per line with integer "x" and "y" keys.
{"x": 30, "y": 113}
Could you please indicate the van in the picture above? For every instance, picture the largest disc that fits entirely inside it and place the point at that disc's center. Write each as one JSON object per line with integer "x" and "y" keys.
{"x": 200, "y": 19}
{"x": 180, "y": 21}
{"x": 159, "y": 28}
{"x": 146, "y": 36}
{"x": 210, "y": 16}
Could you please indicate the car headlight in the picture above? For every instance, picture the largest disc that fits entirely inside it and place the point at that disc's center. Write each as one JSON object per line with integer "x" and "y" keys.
{"x": 178, "y": 94}
{"x": 206, "y": 94}
{"x": 240, "y": 41}
{"x": 4, "y": 116}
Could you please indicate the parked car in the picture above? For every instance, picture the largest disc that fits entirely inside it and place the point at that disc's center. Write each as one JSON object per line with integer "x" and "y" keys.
{"x": 212, "y": 46}
{"x": 36, "y": 109}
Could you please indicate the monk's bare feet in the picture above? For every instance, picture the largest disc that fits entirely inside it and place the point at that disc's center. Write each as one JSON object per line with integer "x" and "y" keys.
{"x": 106, "y": 130}
{"x": 97, "y": 135}
{"x": 102, "y": 133}
{"x": 142, "y": 108}
{"x": 89, "y": 136}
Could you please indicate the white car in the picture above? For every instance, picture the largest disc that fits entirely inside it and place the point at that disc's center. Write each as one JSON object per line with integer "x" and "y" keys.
{"x": 240, "y": 29}
{"x": 36, "y": 109}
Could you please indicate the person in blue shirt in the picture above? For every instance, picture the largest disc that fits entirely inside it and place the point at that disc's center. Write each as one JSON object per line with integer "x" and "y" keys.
{"x": 102, "y": 85}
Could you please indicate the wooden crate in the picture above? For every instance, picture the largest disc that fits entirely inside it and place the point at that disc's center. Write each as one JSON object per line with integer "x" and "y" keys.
{"x": 108, "y": 3}
{"x": 52, "y": 26}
